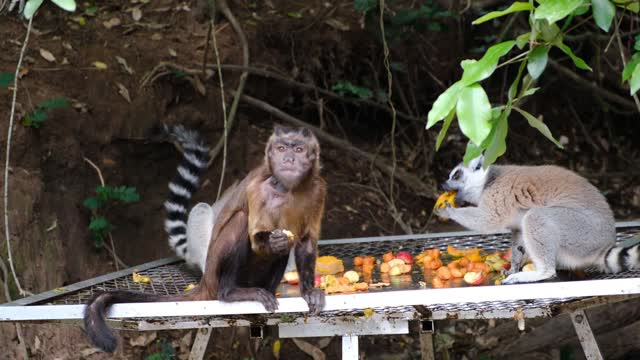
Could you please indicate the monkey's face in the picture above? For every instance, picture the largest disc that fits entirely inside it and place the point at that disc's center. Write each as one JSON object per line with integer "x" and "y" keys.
{"x": 468, "y": 181}
{"x": 291, "y": 156}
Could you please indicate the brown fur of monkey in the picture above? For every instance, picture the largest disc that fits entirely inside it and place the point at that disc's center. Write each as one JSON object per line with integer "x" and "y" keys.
{"x": 248, "y": 251}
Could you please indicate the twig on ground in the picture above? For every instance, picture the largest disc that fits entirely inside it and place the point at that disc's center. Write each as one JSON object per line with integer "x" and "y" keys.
{"x": 153, "y": 75}
{"x": 604, "y": 93}
{"x": 6, "y": 164}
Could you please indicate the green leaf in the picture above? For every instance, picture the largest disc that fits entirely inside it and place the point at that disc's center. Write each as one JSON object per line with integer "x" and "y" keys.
{"x": 31, "y": 7}
{"x": 99, "y": 224}
{"x": 35, "y": 118}
{"x": 513, "y": 88}
{"x": 125, "y": 194}
{"x": 92, "y": 203}
{"x": 633, "y": 6}
{"x": 472, "y": 152}
{"x": 498, "y": 144}
{"x": 634, "y": 83}
{"x": 443, "y": 104}
{"x": 515, "y": 7}
{"x": 483, "y": 68}
{"x": 294, "y": 14}
{"x": 55, "y": 103}
{"x": 579, "y": 63}
{"x": 550, "y": 33}
{"x": 530, "y": 91}
{"x": 6, "y": 79}
{"x": 523, "y": 40}
{"x": 636, "y": 44}
{"x": 445, "y": 128}
{"x": 630, "y": 67}
{"x": 603, "y": 13}
{"x": 537, "y": 61}
{"x": 345, "y": 87}
{"x": 68, "y": 5}
{"x": 554, "y": 10}
{"x": 474, "y": 113}
{"x": 536, "y": 123}
{"x": 91, "y": 11}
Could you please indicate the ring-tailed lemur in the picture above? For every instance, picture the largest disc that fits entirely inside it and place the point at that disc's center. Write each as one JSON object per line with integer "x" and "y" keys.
{"x": 558, "y": 219}
{"x": 189, "y": 236}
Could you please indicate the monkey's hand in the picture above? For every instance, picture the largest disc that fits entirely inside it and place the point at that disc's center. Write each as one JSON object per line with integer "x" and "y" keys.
{"x": 315, "y": 300}
{"x": 279, "y": 242}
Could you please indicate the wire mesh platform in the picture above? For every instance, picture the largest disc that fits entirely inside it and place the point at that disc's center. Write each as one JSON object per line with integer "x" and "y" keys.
{"x": 408, "y": 298}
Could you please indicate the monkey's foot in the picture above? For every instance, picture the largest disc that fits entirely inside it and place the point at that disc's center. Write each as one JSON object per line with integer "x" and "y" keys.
{"x": 315, "y": 300}
{"x": 528, "y": 276}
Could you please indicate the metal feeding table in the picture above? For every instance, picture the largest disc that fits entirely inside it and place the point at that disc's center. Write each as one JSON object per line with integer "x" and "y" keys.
{"x": 347, "y": 315}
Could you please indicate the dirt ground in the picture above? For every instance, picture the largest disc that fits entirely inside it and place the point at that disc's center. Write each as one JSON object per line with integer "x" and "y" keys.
{"x": 317, "y": 42}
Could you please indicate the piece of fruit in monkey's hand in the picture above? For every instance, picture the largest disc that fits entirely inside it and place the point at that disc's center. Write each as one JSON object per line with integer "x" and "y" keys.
{"x": 446, "y": 197}
{"x": 289, "y": 234}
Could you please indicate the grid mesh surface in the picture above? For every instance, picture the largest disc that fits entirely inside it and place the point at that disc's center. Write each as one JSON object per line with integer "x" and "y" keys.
{"x": 173, "y": 278}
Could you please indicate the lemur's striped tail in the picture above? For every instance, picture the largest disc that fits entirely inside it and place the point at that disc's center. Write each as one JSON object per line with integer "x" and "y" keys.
{"x": 620, "y": 258}
{"x": 184, "y": 184}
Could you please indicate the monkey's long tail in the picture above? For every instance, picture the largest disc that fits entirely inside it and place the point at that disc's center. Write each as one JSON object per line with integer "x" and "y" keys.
{"x": 184, "y": 184}
{"x": 95, "y": 325}
{"x": 621, "y": 258}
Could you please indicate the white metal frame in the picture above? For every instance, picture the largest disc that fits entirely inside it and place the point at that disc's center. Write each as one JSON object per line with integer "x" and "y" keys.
{"x": 208, "y": 314}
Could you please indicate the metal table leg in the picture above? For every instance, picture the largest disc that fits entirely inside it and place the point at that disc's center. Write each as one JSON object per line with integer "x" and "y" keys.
{"x": 585, "y": 335}
{"x": 200, "y": 344}
{"x": 350, "y": 347}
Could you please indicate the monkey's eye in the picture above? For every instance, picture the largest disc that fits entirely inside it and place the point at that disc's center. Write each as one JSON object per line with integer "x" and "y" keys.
{"x": 457, "y": 175}
{"x": 281, "y": 148}
{"x": 299, "y": 149}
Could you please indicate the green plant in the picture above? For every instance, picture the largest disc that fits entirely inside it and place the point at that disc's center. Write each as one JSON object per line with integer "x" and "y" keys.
{"x": 166, "y": 351}
{"x": 631, "y": 72}
{"x": 99, "y": 226}
{"x": 33, "y": 5}
{"x": 486, "y": 125}
{"x": 405, "y": 21}
{"x": 6, "y": 79}
{"x": 36, "y": 117}
{"x": 344, "y": 87}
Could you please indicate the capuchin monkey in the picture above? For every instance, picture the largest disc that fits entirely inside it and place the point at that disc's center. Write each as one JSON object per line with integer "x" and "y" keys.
{"x": 278, "y": 207}
{"x": 558, "y": 219}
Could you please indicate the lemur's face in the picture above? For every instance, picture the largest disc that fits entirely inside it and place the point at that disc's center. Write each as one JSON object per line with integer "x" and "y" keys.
{"x": 468, "y": 181}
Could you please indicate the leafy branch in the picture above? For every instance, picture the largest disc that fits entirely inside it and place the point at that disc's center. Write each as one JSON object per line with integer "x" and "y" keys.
{"x": 486, "y": 126}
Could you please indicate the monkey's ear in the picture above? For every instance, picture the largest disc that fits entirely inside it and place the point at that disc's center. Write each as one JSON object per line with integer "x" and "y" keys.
{"x": 305, "y": 132}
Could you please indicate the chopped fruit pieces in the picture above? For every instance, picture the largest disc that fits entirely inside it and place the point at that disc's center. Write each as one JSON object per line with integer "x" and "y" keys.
{"x": 474, "y": 278}
{"x": 327, "y": 265}
{"x": 292, "y": 277}
{"x": 529, "y": 267}
{"x": 395, "y": 270}
{"x": 395, "y": 262}
{"x": 443, "y": 273}
{"x": 352, "y": 276}
{"x": 358, "y": 260}
{"x": 289, "y": 234}
{"x": 361, "y": 286}
{"x": 384, "y": 267}
{"x": 405, "y": 256}
{"x": 387, "y": 257}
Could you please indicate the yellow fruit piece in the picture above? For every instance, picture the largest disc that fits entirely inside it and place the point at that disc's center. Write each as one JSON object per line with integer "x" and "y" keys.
{"x": 449, "y": 196}
{"x": 529, "y": 267}
{"x": 99, "y": 65}
{"x": 189, "y": 287}
{"x": 395, "y": 270}
{"x": 327, "y": 265}
{"x": 137, "y": 278}
{"x": 368, "y": 312}
{"x": 276, "y": 349}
